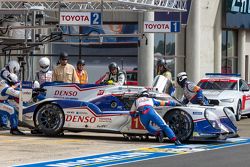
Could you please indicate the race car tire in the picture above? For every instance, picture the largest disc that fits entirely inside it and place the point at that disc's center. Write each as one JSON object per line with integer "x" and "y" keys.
{"x": 181, "y": 123}
{"x": 238, "y": 111}
{"x": 49, "y": 119}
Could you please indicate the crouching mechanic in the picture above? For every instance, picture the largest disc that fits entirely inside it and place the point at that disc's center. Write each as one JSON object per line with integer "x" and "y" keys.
{"x": 143, "y": 107}
{"x": 192, "y": 92}
{"x": 9, "y": 78}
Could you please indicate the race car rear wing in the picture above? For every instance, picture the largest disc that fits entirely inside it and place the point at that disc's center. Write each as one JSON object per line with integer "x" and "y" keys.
{"x": 161, "y": 83}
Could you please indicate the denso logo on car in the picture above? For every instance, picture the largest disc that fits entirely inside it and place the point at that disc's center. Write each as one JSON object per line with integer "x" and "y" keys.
{"x": 65, "y": 93}
{"x": 78, "y": 118}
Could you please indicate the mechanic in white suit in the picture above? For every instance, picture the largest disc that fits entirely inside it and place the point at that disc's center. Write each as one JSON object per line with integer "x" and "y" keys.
{"x": 44, "y": 75}
{"x": 8, "y": 79}
{"x": 192, "y": 92}
{"x": 143, "y": 107}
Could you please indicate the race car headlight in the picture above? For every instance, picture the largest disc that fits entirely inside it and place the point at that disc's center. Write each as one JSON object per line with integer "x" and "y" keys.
{"x": 212, "y": 118}
{"x": 230, "y": 100}
{"x": 229, "y": 113}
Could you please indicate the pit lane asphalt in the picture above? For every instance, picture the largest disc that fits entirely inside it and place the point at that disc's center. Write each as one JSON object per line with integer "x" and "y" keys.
{"x": 16, "y": 150}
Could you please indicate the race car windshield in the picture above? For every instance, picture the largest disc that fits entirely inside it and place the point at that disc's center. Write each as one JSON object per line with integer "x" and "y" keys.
{"x": 218, "y": 85}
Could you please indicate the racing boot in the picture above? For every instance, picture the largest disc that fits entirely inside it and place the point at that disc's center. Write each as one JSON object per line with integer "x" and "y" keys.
{"x": 177, "y": 142}
{"x": 16, "y": 131}
{"x": 160, "y": 137}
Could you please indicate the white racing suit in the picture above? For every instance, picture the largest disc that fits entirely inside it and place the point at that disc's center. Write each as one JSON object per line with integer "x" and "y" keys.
{"x": 118, "y": 79}
{"x": 3, "y": 116}
{"x": 193, "y": 94}
{"x": 44, "y": 76}
{"x": 7, "y": 92}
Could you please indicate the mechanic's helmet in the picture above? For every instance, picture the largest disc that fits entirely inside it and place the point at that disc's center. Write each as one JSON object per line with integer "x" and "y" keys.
{"x": 113, "y": 65}
{"x": 64, "y": 56}
{"x": 44, "y": 63}
{"x": 13, "y": 67}
{"x": 144, "y": 93}
{"x": 162, "y": 62}
{"x": 82, "y": 62}
{"x": 10, "y": 78}
{"x": 181, "y": 78}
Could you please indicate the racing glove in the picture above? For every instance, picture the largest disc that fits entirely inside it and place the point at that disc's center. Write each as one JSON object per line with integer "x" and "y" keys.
{"x": 110, "y": 82}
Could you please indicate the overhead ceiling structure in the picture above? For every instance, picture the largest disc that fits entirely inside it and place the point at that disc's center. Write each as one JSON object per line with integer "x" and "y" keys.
{"x": 50, "y": 7}
{"x": 93, "y": 5}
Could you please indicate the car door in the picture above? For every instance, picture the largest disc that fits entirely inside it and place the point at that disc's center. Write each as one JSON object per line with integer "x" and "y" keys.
{"x": 244, "y": 88}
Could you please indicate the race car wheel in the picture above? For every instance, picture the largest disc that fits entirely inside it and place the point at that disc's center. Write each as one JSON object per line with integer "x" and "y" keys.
{"x": 49, "y": 119}
{"x": 181, "y": 123}
{"x": 238, "y": 111}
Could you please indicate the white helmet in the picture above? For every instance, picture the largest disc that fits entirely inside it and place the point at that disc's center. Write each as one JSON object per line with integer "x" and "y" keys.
{"x": 181, "y": 77}
{"x": 44, "y": 63}
{"x": 13, "y": 67}
{"x": 11, "y": 78}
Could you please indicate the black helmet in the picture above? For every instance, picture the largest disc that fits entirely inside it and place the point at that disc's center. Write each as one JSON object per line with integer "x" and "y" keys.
{"x": 64, "y": 56}
{"x": 162, "y": 62}
{"x": 82, "y": 62}
{"x": 112, "y": 66}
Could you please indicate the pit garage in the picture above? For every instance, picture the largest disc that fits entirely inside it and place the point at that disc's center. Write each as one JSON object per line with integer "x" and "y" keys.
{"x": 99, "y": 31}
{"x": 36, "y": 28}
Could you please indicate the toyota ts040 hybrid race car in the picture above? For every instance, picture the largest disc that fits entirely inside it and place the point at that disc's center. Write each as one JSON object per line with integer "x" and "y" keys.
{"x": 105, "y": 108}
{"x": 227, "y": 90}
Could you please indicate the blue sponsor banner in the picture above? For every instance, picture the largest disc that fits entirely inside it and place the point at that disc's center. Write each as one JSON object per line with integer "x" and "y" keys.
{"x": 140, "y": 154}
{"x": 26, "y": 84}
{"x": 174, "y": 16}
{"x": 237, "y": 14}
{"x": 114, "y": 28}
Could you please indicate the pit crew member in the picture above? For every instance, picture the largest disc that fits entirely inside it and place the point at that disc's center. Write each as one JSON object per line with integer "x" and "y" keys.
{"x": 162, "y": 69}
{"x": 115, "y": 76}
{"x": 192, "y": 92}
{"x": 65, "y": 72}
{"x": 143, "y": 107}
{"x": 44, "y": 75}
{"x": 9, "y": 78}
{"x": 81, "y": 72}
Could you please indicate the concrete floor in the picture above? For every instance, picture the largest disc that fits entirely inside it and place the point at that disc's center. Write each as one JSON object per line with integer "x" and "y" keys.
{"x": 15, "y": 150}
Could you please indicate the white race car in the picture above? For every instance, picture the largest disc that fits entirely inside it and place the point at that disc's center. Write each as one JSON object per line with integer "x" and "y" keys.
{"x": 105, "y": 108}
{"x": 227, "y": 90}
